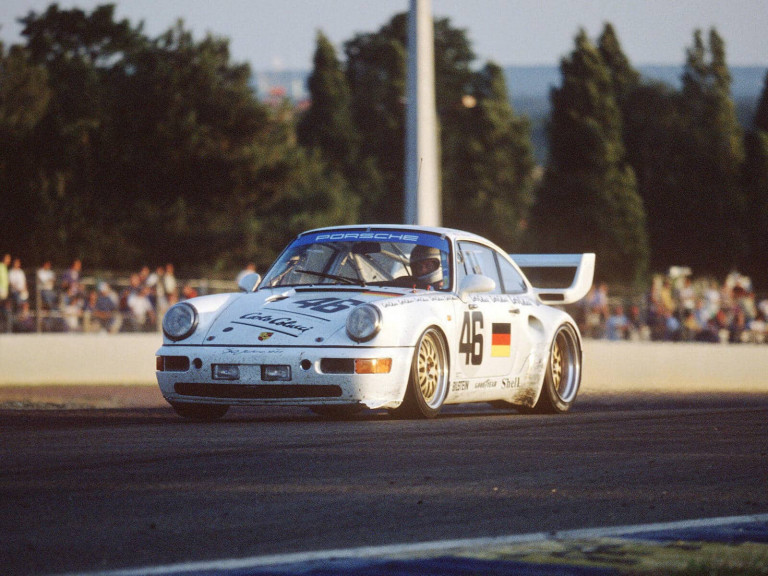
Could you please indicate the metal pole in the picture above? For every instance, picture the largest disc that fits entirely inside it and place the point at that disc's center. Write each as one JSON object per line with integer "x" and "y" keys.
{"x": 422, "y": 167}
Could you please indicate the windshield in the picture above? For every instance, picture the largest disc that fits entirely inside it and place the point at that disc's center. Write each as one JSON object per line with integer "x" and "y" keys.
{"x": 406, "y": 259}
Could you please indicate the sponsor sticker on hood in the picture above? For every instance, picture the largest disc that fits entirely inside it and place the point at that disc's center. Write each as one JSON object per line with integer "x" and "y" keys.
{"x": 283, "y": 324}
{"x": 303, "y": 316}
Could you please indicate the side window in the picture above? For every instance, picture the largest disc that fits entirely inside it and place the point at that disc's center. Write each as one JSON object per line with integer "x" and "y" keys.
{"x": 513, "y": 281}
{"x": 462, "y": 265}
{"x": 477, "y": 259}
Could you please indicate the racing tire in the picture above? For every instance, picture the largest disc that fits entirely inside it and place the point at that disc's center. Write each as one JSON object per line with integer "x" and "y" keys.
{"x": 205, "y": 412}
{"x": 563, "y": 376}
{"x": 428, "y": 381}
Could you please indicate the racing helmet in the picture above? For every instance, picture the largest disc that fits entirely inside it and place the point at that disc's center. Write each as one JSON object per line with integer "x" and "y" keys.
{"x": 426, "y": 264}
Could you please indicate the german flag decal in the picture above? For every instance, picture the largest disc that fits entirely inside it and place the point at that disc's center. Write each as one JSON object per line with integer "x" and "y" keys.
{"x": 384, "y": 294}
{"x": 501, "y": 340}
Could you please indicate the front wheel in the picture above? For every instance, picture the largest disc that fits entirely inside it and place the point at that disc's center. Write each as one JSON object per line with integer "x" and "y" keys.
{"x": 200, "y": 411}
{"x": 428, "y": 382}
{"x": 563, "y": 377}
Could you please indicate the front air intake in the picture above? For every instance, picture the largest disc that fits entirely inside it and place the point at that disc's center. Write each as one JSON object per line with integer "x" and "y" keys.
{"x": 257, "y": 392}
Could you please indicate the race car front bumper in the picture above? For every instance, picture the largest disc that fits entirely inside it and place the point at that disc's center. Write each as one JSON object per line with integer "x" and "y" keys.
{"x": 371, "y": 377}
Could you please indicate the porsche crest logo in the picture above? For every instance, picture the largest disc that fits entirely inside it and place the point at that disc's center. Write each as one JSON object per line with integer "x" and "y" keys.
{"x": 265, "y": 336}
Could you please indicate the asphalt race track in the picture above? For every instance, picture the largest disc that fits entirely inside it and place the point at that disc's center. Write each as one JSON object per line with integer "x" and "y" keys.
{"x": 90, "y": 489}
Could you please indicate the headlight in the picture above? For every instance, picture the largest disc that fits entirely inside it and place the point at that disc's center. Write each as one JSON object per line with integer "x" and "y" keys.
{"x": 180, "y": 321}
{"x": 363, "y": 323}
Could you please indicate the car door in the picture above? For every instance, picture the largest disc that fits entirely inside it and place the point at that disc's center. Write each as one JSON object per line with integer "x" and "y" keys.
{"x": 488, "y": 346}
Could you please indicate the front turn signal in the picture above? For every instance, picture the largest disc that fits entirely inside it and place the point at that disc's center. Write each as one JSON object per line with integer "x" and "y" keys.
{"x": 373, "y": 365}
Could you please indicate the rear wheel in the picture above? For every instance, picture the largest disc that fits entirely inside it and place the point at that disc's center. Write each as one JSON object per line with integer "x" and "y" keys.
{"x": 200, "y": 411}
{"x": 563, "y": 377}
{"x": 428, "y": 382}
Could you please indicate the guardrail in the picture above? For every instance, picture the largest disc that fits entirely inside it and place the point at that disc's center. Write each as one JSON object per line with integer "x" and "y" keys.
{"x": 609, "y": 367}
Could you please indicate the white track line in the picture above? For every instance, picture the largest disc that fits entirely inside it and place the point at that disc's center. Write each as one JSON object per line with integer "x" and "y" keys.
{"x": 421, "y": 548}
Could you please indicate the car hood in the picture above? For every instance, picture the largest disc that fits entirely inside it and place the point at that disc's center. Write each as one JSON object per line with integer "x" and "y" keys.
{"x": 293, "y": 317}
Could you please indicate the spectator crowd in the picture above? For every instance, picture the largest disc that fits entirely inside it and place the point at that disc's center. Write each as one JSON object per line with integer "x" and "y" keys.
{"x": 678, "y": 308}
{"x": 68, "y": 302}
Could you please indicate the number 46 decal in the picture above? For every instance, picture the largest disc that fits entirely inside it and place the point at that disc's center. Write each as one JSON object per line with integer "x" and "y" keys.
{"x": 471, "y": 342}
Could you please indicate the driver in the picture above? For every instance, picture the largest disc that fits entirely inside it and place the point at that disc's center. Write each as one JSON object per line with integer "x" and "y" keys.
{"x": 426, "y": 267}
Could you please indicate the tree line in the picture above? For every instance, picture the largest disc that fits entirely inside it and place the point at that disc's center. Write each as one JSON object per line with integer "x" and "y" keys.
{"x": 120, "y": 149}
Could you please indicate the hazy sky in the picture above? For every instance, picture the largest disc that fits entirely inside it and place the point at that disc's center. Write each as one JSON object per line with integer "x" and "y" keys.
{"x": 280, "y": 34}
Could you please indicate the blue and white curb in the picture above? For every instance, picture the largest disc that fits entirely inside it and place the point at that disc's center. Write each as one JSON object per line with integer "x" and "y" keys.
{"x": 490, "y": 556}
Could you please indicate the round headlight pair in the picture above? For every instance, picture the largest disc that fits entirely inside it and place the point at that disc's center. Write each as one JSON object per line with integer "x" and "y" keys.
{"x": 180, "y": 321}
{"x": 363, "y": 323}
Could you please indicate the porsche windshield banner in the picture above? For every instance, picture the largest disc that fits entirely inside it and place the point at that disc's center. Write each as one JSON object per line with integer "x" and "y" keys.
{"x": 394, "y": 236}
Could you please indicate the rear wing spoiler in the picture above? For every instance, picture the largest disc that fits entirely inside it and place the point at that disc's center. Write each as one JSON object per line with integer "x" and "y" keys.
{"x": 583, "y": 274}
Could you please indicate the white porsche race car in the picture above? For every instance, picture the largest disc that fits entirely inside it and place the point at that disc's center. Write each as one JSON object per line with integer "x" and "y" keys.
{"x": 405, "y": 318}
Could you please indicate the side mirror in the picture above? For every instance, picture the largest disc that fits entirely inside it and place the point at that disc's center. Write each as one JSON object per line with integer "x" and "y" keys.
{"x": 475, "y": 283}
{"x": 249, "y": 282}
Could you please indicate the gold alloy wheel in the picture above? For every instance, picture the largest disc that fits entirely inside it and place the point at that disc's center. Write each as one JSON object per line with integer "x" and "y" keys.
{"x": 557, "y": 365}
{"x": 565, "y": 365}
{"x": 431, "y": 368}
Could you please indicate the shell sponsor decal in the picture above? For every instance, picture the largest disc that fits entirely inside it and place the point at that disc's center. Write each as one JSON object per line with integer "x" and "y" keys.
{"x": 265, "y": 336}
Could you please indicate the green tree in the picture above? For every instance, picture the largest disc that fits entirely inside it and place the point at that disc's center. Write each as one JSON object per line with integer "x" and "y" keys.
{"x": 710, "y": 236}
{"x": 655, "y": 130}
{"x": 227, "y": 174}
{"x": 652, "y": 130}
{"x": 499, "y": 176}
{"x": 376, "y": 66}
{"x": 756, "y": 188}
{"x": 24, "y": 100}
{"x": 328, "y": 132}
{"x": 327, "y": 124}
{"x": 760, "y": 121}
{"x": 158, "y": 150}
{"x": 588, "y": 201}
{"x": 490, "y": 158}
{"x": 190, "y": 142}
{"x": 79, "y": 52}
{"x": 24, "y": 93}
{"x": 624, "y": 77}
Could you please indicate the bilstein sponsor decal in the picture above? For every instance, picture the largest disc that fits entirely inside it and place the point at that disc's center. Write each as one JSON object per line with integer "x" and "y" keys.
{"x": 289, "y": 325}
{"x": 460, "y": 386}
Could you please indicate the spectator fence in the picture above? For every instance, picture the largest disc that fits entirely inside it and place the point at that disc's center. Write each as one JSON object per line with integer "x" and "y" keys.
{"x": 63, "y": 312}
{"x": 675, "y": 308}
